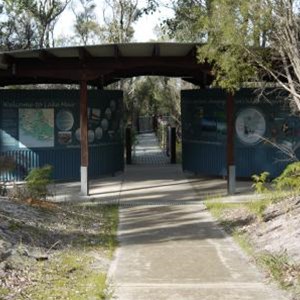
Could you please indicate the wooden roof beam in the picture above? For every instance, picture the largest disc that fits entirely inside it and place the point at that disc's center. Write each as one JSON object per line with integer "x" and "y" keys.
{"x": 84, "y": 54}
{"x": 117, "y": 52}
{"x": 8, "y": 59}
{"x": 156, "y": 50}
{"x": 192, "y": 52}
{"x": 45, "y": 55}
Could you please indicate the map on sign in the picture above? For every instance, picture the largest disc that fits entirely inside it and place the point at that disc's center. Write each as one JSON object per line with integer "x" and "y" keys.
{"x": 36, "y": 127}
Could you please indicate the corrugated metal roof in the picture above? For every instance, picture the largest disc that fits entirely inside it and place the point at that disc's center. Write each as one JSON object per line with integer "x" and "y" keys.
{"x": 105, "y": 50}
{"x": 103, "y": 64}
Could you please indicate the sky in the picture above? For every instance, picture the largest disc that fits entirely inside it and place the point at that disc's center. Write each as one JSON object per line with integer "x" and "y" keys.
{"x": 144, "y": 28}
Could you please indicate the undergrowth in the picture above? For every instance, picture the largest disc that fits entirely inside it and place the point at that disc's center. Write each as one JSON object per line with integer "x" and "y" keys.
{"x": 68, "y": 276}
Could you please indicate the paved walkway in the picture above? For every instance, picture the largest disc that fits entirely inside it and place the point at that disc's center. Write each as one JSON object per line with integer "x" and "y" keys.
{"x": 170, "y": 246}
{"x": 170, "y": 251}
{"x": 148, "y": 152}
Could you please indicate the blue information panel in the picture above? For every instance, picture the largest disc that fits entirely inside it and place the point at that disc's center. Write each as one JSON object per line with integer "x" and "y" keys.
{"x": 263, "y": 128}
{"x": 46, "y": 123}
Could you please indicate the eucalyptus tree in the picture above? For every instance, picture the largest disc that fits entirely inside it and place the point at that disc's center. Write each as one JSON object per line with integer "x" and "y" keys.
{"x": 45, "y": 13}
{"x": 119, "y": 17}
{"x": 17, "y": 29}
{"x": 86, "y": 26}
{"x": 244, "y": 40}
{"x": 254, "y": 40}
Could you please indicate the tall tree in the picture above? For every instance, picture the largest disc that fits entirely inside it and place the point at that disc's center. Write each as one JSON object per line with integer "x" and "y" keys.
{"x": 17, "y": 29}
{"x": 188, "y": 19}
{"x": 119, "y": 19}
{"x": 86, "y": 25}
{"x": 245, "y": 40}
{"x": 45, "y": 14}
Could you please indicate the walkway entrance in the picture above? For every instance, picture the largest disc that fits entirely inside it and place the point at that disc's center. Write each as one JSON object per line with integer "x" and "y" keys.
{"x": 171, "y": 247}
{"x": 148, "y": 152}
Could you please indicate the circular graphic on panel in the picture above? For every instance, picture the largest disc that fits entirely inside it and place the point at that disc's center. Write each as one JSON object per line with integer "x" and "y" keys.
{"x": 91, "y": 136}
{"x": 113, "y": 105}
{"x": 64, "y": 120}
{"x": 77, "y": 134}
{"x": 111, "y": 134}
{"x": 104, "y": 124}
{"x": 250, "y": 126}
{"x": 99, "y": 133}
{"x": 108, "y": 113}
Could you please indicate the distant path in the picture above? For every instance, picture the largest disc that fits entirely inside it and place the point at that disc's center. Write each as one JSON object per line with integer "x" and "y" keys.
{"x": 148, "y": 152}
{"x": 177, "y": 252}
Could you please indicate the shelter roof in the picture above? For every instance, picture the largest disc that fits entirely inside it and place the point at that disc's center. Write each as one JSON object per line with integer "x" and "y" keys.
{"x": 103, "y": 64}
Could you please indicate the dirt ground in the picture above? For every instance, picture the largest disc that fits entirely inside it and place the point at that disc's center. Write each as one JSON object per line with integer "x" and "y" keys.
{"x": 36, "y": 233}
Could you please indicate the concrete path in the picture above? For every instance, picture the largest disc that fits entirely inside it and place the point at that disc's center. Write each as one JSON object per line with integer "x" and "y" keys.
{"x": 171, "y": 247}
{"x": 148, "y": 152}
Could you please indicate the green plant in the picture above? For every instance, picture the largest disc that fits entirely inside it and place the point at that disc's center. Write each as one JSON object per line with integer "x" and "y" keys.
{"x": 258, "y": 207}
{"x": 259, "y": 182}
{"x": 37, "y": 181}
{"x": 289, "y": 178}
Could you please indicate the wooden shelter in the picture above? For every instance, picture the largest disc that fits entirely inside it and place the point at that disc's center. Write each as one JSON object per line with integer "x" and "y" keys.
{"x": 101, "y": 65}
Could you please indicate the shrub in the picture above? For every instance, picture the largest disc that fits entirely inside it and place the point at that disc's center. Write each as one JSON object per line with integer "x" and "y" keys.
{"x": 289, "y": 178}
{"x": 37, "y": 181}
{"x": 259, "y": 182}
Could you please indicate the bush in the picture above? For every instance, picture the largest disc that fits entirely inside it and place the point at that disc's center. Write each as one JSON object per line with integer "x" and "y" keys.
{"x": 260, "y": 182}
{"x": 289, "y": 178}
{"x": 37, "y": 181}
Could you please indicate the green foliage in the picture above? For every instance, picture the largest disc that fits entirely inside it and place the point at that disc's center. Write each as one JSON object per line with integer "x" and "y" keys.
{"x": 86, "y": 25}
{"x": 260, "y": 182}
{"x": 28, "y": 24}
{"x": 258, "y": 207}
{"x": 154, "y": 96}
{"x": 243, "y": 240}
{"x": 289, "y": 178}
{"x": 235, "y": 30}
{"x": 62, "y": 271}
{"x": 120, "y": 20}
{"x": 187, "y": 23}
{"x": 37, "y": 181}
{"x": 278, "y": 265}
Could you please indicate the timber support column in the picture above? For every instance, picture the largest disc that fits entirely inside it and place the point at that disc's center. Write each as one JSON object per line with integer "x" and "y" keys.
{"x": 231, "y": 175}
{"x": 84, "y": 177}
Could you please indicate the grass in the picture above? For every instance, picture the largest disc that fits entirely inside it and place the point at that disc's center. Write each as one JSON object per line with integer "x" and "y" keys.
{"x": 244, "y": 242}
{"x": 217, "y": 208}
{"x": 68, "y": 276}
{"x": 75, "y": 271}
{"x": 4, "y": 292}
{"x": 278, "y": 266}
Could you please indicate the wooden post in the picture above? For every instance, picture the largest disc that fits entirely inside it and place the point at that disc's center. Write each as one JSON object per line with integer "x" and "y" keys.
{"x": 84, "y": 138}
{"x": 230, "y": 145}
{"x": 172, "y": 140}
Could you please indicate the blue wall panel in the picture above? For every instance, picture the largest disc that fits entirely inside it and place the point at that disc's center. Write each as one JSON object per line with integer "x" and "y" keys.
{"x": 203, "y": 158}
{"x": 63, "y": 152}
{"x": 204, "y": 132}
